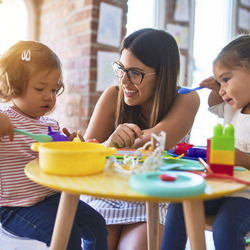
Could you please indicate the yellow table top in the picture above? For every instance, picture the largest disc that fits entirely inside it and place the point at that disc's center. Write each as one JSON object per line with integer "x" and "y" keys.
{"x": 109, "y": 184}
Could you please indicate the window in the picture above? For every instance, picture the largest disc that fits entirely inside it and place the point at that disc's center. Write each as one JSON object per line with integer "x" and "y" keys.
{"x": 13, "y": 23}
{"x": 212, "y": 32}
{"x": 140, "y": 15}
{"x": 16, "y": 23}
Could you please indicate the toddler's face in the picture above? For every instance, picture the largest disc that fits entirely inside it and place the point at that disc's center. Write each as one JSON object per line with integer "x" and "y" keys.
{"x": 40, "y": 95}
{"x": 234, "y": 84}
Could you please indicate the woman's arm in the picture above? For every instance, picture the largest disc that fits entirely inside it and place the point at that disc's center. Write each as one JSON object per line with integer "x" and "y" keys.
{"x": 214, "y": 97}
{"x": 176, "y": 123}
{"x": 101, "y": 124}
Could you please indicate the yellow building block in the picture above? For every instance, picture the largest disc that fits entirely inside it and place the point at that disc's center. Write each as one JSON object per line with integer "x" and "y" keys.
{"x": 223, "y": 157}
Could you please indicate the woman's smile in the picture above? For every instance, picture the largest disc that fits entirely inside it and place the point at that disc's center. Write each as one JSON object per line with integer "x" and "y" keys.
{"x": 130, "y": 93}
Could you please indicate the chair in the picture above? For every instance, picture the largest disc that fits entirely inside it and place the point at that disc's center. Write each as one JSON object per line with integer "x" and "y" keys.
{"x": 12, "y": 242}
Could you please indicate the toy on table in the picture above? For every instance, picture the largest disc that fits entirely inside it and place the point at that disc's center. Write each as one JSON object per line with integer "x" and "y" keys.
{"x": 167, "y": 177}
{"x": 182, "y": 147}
{"x": 222, "y": 150}
{"x": 72, "y": 158}
{"x": 57, "y": 136}
{"x": 77, "y": 138}
{"x": 93, "y": 140}
{"x": 197, "y": 152}
{"x": 189, "y": 150}
{"x": 151, "y": 183}
{"x": 151, "y": 153}
{"x": 51, "y": 136}
{"x": 37, "y": 137}
{"x": 210, "y": 174}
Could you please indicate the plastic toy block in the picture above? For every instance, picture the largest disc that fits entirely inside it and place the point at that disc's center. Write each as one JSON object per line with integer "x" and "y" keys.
{"x": 223, "y": 141}
{"x": 222, "y": 157}
{"x": 222, "y": 169}
{"x": 221, "y": 153}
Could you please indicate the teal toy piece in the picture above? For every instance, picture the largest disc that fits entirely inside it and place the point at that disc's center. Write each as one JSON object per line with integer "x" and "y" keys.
{"x": 186, "y": 184}
{"x": 37, "y": 137}
{"x": 181, "y": 165}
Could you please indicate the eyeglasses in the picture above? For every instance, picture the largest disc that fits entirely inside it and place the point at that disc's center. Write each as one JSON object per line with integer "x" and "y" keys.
{"x": 134, "y": 76}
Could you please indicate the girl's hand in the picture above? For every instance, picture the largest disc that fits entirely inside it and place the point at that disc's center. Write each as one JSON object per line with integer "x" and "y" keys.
{"x": 214, "y": 97}
{"x": 71, "y": 136}
{"x": 124, "y": 136}
{"x": 212, "y": 84}
{"x": 6, "y": 127}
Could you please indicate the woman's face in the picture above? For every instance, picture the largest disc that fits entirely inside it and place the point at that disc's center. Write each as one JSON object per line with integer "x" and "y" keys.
{"x": 137, "y": 94}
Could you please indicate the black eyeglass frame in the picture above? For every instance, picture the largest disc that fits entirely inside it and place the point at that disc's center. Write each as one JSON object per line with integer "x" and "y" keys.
{"x": 127, "y": 71}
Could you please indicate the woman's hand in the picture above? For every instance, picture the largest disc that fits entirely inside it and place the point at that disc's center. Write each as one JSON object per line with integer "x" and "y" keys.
{"x": 6, "y": 127}
{"x": 71, "y": 136}
{"x": 124, "y": 136}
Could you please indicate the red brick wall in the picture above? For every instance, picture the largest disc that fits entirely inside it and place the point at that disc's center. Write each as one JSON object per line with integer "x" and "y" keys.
{"x": 70, "y": 29}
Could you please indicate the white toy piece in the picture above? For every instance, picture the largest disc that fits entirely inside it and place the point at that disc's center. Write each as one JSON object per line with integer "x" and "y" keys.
{"x": 141, "y": 161}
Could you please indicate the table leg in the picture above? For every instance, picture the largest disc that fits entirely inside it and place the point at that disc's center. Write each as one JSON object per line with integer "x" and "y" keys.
{"x": 195, "y": 223}
{"x": 152, "y": 225}
{"x": 64, "y": 220}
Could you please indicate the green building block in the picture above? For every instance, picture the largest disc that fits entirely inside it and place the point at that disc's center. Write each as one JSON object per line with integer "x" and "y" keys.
{"x": 223, "y": 140}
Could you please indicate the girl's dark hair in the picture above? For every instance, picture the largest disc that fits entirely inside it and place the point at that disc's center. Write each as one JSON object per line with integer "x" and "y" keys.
{"x": 236, "y": 53}
{"x": 20, "y": 62}
{"x": 156, "y": 49}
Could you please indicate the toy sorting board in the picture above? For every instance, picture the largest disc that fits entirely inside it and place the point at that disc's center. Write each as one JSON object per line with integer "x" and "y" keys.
{"x": 186, "y": 184}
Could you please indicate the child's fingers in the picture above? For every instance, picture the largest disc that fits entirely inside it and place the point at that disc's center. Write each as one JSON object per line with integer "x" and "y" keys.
{"x": 208, "y": 81}
{"x": 66, "y": 132}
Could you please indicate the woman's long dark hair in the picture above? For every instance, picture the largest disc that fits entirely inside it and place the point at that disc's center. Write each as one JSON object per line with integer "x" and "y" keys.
{"x": 156, "y": 49}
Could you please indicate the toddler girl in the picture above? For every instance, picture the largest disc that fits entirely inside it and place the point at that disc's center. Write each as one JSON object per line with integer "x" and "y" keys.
{"x": 229, "y": 99}
{"x": 31, "y": 79}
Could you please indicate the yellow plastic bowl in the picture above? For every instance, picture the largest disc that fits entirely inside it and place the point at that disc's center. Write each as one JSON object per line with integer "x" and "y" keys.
{"x": 72, "y": 158}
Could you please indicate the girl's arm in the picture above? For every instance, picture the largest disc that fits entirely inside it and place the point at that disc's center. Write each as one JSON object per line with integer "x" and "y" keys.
{"x": 101, "y": 125}
{"x": 214, "y": 97}
{"x": 176, "y": 123}
{"x": 242, "y": 159}
{"x": 6, "y": 127}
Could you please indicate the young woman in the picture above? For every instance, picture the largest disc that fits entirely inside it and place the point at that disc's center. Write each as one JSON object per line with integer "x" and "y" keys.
{"x": 145, "y": 102}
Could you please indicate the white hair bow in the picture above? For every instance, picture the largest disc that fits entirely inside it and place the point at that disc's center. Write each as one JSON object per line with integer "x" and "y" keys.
{"x": 26, "y": 55}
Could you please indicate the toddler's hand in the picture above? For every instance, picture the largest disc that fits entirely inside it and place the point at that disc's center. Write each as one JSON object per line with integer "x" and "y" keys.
{"x": 124, "y": 136}
{"x": 6, "y": 127}
{"x": 71, "y": 136}
{"x": 211, "y": 83}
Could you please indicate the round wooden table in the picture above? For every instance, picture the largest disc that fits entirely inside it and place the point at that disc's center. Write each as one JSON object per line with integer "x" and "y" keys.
{"x": 113, "y": 185}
